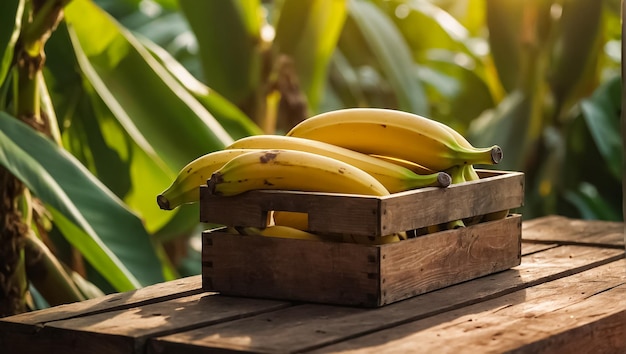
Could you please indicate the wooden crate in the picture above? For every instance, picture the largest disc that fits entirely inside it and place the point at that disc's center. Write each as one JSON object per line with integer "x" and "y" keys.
{"x": 355, "y": 274}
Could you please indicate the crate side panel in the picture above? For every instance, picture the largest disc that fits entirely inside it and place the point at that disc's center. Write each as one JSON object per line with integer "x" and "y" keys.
{"x": 445, "y": 258}
{"x": 244, "y": 210}
{"x": 431, "y": 206}
{"x": 342, "y": 213}
{"x": 266, "y": 267}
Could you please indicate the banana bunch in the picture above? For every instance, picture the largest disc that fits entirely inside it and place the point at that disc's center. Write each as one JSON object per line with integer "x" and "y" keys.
{"x": 352, "y": 151}
{"x": 396, "y": 134}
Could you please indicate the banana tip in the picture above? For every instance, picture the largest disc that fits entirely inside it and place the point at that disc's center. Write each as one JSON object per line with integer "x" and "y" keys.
{"x": 163, "y": 202}
{"x": 496, "y": 154}
{"x": 444, "y": 179}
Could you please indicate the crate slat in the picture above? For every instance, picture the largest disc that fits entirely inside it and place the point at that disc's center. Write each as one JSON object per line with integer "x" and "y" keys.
{"x": 370, "y": 215}
{"x": 354, "y": 274}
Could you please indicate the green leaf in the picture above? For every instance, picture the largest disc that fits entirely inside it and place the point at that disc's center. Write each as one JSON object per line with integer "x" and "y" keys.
{"x": 307, "y": 31}
{"x": 10, "y": 26}
{"x": 507, "y": 126}
{"x": 576, "y": 51}
{"x": 95, "y": 221}
{"x": 152, "y": 106}
{"x": 519, "y": 38}
{"x": 392, "y": 53}
{"x": 426, "y": 26}
{"x": 602, "y": 114}
{"x": 591, "y": 205}
{"x": 343, "y": 87}
{"x": 229, "y": 40}
{"x": 94, "y": 135}
{"x": 458, "y": 94}
{"x": 469, "y": 13}
{"x": 234, "y": 121}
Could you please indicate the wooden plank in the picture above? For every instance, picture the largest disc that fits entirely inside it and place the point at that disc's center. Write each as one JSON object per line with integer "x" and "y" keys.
{"x": 546, "y": 318}
{"x": 563, "y": 230}
{"x": 126, "y": 331}
{"x": 290, "y": 269}
{"x": 351, "y": 274}
{"x": 327, "y": 212}
{"x": 370, "y": 215}
{"x": 31, "y": 321}
{"x": 411, "y": 210}
{"x": 435, "y": 261}
{"x": 311, "y": 326}
{"x": 530, "y": 247}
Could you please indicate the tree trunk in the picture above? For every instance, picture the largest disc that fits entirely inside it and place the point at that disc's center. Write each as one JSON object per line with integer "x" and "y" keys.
{"x": 13, "y": 283}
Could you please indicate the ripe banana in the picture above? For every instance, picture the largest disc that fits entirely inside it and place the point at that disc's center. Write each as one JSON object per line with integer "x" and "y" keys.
{"x": 396, "y": 134}
{"x": 419, "y": 169}
{"x": 292, "y": 219}
{"x": 292, "y": 170}
{"x": 185, "y": 188}
{"x": 395, "y": 178}
{"x": 284, "y": 232}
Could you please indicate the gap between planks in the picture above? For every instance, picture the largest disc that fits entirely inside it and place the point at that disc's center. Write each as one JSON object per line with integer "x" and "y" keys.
{"x": 538, "y": 319}
{"x": 327, "y": 325}
{"x": 113, "y": 302}
{"x": 567, "y": 231}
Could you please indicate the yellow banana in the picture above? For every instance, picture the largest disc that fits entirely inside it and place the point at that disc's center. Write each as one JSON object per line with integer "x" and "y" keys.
{"x": 292, "y": 219}
{"x": 396, "y": 134}
{"x": 395, "y": 178}
{"x": 185, "y": 188}
{"x": 284, "y": 232}
{"x": 417, "y": 168}
{"x": 292, "y": 170}
{"x": 291, "y": 232}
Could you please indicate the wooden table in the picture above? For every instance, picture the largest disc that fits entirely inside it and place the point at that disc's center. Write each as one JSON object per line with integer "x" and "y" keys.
{"x": 567, "y": 296}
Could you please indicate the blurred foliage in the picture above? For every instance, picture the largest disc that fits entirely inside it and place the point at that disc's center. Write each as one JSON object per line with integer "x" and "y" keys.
{"x": 134, "y": 89}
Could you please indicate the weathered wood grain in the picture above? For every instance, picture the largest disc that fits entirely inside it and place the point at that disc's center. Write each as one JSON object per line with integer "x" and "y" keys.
{"x": 125, "y": 331}
{"x": 326, "y": 212}
{"x": 313, "y": 326}
{"x": 531, "y": 247}
{"x": 435, "y": 261}
{"x": 290, "y": 269}
{"x": 414, "y": 209}
{"x": 370, "y": 215}
{"x": 30, "y": 321}
{"x": 546, "y": 318}
{"x": 352, "y": 274}
{"x": 563, "y": 230}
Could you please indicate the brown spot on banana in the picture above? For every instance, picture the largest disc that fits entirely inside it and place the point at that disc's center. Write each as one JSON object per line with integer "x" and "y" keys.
{"x": 268, "y": 156}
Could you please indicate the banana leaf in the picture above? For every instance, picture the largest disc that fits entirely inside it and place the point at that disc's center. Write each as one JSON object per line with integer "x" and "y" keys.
{"x": 392, "y": 54}
{"x": 343, "y": 89}
{"x": 507, "y": 125}
{"x": 505, "y": 25}
{"x": 151, "y": 105}
{"x": 307, "y": 31}
{"x": 576, "y": 51}
{"x": 229, "y": 41}
{"x": 93, "y": 134}
{"x": 457, "y": 93}
{"x": 601, "y": 114}
{"x": 590, "y": 206}
{"x": 469, "y": 13}
{"x": 426, "y": 26}
{"x": 93, "y": 220}
{"x": 10, "y": 26}
{"x": 234, "y": 121}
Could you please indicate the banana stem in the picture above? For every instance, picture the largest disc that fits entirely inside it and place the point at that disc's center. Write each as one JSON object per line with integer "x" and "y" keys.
{"x": 47, "y": 274}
